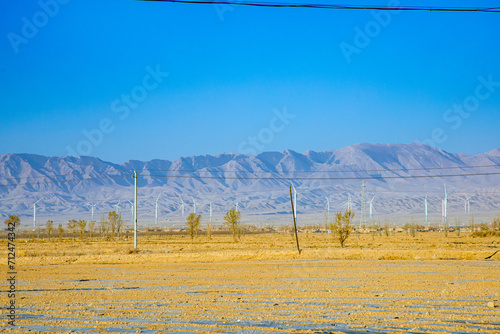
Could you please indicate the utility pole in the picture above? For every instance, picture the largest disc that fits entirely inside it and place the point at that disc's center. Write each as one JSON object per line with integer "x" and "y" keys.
{"x": 135, "y": 209}
{"x": 294, "y": 221}
{"x": 294, "y": 205}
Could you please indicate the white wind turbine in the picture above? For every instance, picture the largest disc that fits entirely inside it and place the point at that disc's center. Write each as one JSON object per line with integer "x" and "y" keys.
{"x": 34, "y": 213}
{"x": 467, "y": 206}
{"x": 194, "y": 205}
{"x": 426, "y": 206}
{"x": 92, "y": 208}
{"x": 445, "y": 206}
{"x": 371, "y": 208}
{"x": 118, "y": 207}
{"x": 210, "y": 212}
{"x": 182, "y": 207}
{"x": 327, "y": 207}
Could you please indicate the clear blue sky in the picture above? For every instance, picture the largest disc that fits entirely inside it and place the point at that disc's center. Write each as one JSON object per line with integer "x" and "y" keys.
{"x": 67, "y": 70}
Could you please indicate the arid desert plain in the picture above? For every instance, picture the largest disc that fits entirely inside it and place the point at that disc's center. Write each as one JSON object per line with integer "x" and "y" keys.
{"x": 429, "y": 283}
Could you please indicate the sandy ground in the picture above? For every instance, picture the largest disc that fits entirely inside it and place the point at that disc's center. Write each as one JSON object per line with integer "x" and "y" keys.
{"x": 378, "y": 284}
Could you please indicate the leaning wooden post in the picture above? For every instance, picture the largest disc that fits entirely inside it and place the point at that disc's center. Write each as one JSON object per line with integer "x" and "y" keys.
{"x": 294, "y": 223}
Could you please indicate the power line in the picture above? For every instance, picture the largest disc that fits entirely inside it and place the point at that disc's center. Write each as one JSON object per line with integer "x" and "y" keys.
{"x": 336, "y": 6}
{"x": 319, "y": 178}
{"x": 370, "y": 177}
{"x": 322, "y": 171}
{"x": 251, "y": 172}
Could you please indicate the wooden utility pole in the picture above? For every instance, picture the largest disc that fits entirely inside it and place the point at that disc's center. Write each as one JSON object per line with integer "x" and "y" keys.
{"x": 294, "y": 223}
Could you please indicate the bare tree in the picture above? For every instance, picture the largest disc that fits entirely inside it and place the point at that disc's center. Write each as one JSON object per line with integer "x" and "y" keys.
{"x": 232, "y": 219}
{"x": 193, "y": 222}
{"x": 81, "y": 224}
{"x": 209, "y": 229}
{"x": 91, "y": 229}
{"x": 114, "y": 222}
{"x": 73, "y": 226}
{"x": 60, "y": 231}
{"x": 50, "y": 227}
{"x": 342, "y": 225}
{"x": 103, "y": 226}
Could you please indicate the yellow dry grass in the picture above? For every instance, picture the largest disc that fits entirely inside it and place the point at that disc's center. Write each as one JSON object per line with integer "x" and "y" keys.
{"x": 271, "y": 246}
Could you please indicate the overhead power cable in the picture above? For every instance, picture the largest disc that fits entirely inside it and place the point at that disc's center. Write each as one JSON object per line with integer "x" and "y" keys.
{"x": 247, "y": 171}
{"x": 319, "y": 178}
{"x": 369, "y": 177}
{"x": 335, "y": 6}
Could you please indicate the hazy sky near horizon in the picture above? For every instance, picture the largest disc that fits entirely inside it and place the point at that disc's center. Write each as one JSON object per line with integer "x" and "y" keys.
{"x": 124, "y": 80}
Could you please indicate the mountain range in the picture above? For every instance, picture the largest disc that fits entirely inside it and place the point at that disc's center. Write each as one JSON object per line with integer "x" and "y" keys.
{"x": 397, "y": 178}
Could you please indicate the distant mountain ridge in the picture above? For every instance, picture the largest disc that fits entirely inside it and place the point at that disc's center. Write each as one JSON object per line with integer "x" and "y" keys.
{"x": 259, "y": 183}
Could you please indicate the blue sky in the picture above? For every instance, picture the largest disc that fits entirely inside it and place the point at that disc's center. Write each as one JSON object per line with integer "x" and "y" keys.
{"x": 140, "y": 80}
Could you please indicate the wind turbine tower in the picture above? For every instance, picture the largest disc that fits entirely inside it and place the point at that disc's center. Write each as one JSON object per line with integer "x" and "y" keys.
{"x": 194, "y": 205}
{"x": 34, "y": 213}
{"x": 182, "y": 207}
{"x": 327, "y": 207}
{"x": 92, "y": 209}
{"x": 467, "y": 206}
{"x": 426, "y": 206}
{"x": 156, "y": 208}
{"x": 371, "y": 207}
{"x": 210, "y": 212}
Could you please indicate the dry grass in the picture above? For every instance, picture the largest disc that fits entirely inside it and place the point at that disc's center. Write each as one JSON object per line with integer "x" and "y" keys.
{"x": 272, "y": 246}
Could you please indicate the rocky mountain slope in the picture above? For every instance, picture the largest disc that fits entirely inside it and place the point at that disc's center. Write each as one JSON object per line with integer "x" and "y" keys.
{"x": 397, "y": 177}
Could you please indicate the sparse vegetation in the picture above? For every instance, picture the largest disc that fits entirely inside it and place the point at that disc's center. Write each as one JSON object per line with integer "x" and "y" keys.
{"x": 81, "y": 224}
{"x": 386, "y": 229}
{"x": 13, "y": 220}
{"x": 60, "y": 231}
{"x": 210, "y": 227}
{"x": 91, "y": 229}
{"x": 49, "y": 228}
{"x": 193, "y": 222}
{"x": 232, "y": 219}
{"x": 115, "y": 223}
{"x": 341, "y": 226}
{"x": 73, "y": 226}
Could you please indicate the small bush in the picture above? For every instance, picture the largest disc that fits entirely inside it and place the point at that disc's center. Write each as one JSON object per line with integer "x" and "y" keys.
{"x": 484, "y": 234}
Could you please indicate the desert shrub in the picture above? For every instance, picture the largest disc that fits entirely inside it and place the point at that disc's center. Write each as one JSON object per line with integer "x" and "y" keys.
{"x": 193, "y": 222}
{"x": 232, "y": 219}
{"x": 341, "y": 226}
{"x": 484, "y": 234}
